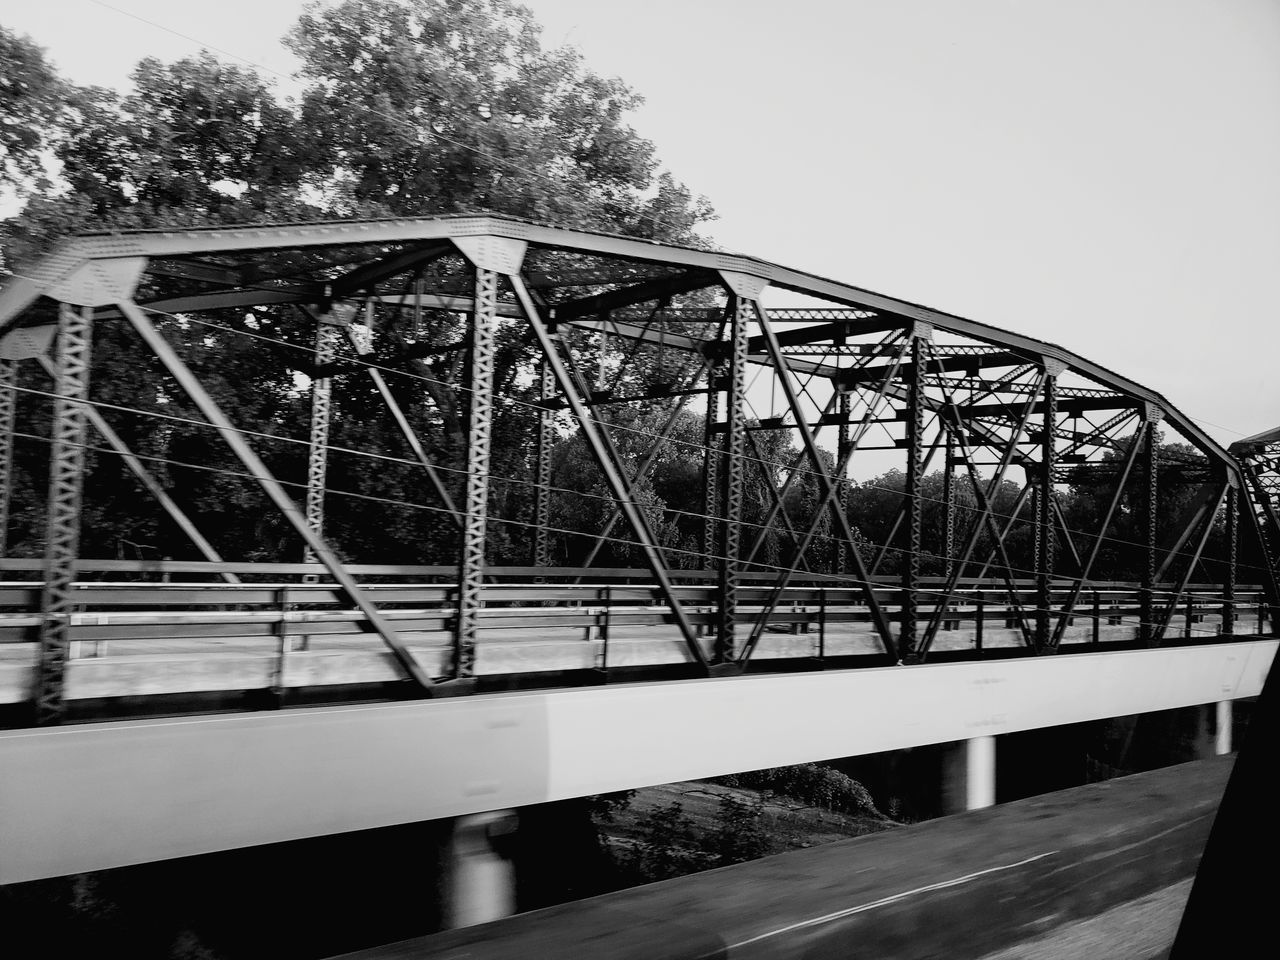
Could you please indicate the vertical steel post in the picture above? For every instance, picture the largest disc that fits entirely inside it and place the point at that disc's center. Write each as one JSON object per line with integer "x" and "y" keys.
{"x": 1234, "y": 501}
{"x": 949, "y": 505}
{"x": 8, "y": 418}
{"x": 476, "y": 497}
{"x": 327, "y": 334}
{"x": 66, "y": 485}
{"x": 843, "y": 410}
{"x": 731, "y": 482}
{"x": 1046, "y": 529}
{"x": 912, "y": 530}
{"x": 716, "y": 373}
{"x": 1146, "y": 597}
{"x": 542, "y": 494}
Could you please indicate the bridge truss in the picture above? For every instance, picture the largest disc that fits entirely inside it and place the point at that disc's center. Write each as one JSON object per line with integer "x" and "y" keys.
{"x": 618, "y": 345}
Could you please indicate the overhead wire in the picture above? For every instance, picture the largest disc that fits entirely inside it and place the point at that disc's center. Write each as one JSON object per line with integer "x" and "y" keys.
{"x": 822, "y": 538}
{"x": 508, "y": 400}
{"x": 845, "y": 581}
{"x": 512, "y": 401}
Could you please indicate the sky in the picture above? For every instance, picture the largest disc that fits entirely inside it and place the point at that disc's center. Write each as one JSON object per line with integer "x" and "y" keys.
{"x": 1101, "y": 174}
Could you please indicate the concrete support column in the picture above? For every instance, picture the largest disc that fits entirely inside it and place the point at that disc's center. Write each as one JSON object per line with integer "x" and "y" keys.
{"x": 969, "y": 775}
{"x": 479, "y": 877}
{"x": 1222, "y": 728}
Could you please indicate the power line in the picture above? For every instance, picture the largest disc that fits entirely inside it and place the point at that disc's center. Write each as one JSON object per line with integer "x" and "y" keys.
{"x": 843, "y": 580}
{"x": 821, "y": 538}
{"x": 697, "y": 447}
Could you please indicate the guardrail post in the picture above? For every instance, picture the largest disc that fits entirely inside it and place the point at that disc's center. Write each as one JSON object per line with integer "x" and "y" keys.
{"x": 283, "y": 641}
{"x": 1097, "y": 618}
{"x": 980, "y": 612}
{"x": 605, "y": 628}
{"x": 66, "y": 484}
{"x": 822, "y": 624}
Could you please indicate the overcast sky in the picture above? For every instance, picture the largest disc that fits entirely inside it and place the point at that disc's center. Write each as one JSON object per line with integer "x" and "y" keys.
{"x": 1102, "y": 174}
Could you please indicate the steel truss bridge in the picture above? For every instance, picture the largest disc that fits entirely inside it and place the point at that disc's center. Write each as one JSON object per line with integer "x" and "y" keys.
{"x": 614, "y": 343}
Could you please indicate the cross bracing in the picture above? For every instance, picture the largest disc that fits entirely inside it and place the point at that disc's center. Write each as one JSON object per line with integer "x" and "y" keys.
{"x": 497, "y": 351}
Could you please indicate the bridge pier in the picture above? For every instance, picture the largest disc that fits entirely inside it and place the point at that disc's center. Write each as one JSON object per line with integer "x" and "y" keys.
{"x": 477, "y": 881}
{"x": 969, "y": 775}
{"x": 503, "y": 862}
{"x": 1224, "y": 716}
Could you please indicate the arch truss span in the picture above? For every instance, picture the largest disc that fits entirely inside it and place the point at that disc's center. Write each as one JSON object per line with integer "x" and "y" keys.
{"x": 400, "y": 449}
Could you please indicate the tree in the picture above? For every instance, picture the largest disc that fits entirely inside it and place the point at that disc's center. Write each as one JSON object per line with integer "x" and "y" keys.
{"x": 439, "y": 106}
{"x": 411, "y": 108}
{"x": 31, "y": 102}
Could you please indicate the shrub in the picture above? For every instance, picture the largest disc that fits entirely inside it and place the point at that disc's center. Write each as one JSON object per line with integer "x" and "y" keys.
{"x": 810, "y": 783}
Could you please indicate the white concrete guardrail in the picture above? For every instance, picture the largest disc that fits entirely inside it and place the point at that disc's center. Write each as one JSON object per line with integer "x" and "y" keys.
{"x": 94, "y": 796}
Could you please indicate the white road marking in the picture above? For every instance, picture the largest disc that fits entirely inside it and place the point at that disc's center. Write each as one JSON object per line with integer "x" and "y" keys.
{"x": 861, "y": 908}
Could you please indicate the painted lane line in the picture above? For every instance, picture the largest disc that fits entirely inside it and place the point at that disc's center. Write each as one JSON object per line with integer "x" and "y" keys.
{"x": 861, "y": 908}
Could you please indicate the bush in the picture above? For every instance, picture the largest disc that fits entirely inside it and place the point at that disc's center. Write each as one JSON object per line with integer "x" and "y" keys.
{"x": 668, "y": 846}
{"x": 810, "y": 783}
{"x": 740, "y": 834}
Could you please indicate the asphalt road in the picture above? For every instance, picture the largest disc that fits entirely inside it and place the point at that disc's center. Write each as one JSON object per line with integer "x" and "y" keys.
{"x": 1076, "y": 870}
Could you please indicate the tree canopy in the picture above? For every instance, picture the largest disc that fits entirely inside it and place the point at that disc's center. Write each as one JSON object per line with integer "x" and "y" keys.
{"x": 409, "y": 107}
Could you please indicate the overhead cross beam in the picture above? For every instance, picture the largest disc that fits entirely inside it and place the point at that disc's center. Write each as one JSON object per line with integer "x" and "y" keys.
{"x": 369, "y": 275}
{"x": 940, "y": 363}
{"x": 656, "y": 289}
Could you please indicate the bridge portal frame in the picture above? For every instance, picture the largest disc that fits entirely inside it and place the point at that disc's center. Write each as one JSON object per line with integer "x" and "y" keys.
{"x": 204, "y": 269}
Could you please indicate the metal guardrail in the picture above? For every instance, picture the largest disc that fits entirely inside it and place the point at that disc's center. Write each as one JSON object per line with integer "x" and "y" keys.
{"x": 114, "y": 610}
{"x": 171, "y": 619}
